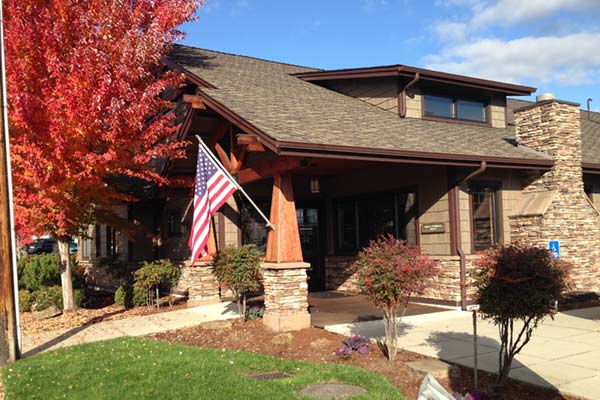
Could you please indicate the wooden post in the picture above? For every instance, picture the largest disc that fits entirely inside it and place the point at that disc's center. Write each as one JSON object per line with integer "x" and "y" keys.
{"x": 8, "y": 317}
{"x": 283, "y": 242}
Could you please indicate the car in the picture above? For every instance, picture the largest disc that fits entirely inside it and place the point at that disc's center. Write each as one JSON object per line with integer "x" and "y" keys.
{"x": 39, "y": 246}
{"x": 73, "y": 248}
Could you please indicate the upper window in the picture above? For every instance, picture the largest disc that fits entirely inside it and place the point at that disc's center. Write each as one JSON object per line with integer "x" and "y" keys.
{"x": 455, "y": 108}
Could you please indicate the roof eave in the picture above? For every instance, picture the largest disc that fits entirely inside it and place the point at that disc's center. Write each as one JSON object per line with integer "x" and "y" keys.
{"x": 425, "y": 74}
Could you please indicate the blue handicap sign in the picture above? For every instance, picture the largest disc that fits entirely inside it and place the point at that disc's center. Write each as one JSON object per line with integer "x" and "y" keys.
{"x": 554, "y": 247}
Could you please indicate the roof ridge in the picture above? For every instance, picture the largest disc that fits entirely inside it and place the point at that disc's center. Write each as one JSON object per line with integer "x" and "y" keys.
{"x": 245, "y": 56}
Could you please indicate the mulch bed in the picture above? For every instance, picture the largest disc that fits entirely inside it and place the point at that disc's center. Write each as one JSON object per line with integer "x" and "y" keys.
{"x": 319, "y": 345}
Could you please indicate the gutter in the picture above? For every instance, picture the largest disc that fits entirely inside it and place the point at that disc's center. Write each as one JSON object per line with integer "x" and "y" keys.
{"x": 456, "y": 228}
{"x": 402, "y": 94}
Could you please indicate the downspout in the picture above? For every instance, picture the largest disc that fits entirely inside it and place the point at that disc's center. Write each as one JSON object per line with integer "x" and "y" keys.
{"x": 402, "y": 94}
{"x": 458, "y": 244}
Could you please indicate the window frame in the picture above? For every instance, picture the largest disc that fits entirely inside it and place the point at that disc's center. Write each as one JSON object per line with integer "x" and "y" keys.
{"x": 455, "y": 97}
{"x": 497, "y": 186}
{"x": 337, "y": 251}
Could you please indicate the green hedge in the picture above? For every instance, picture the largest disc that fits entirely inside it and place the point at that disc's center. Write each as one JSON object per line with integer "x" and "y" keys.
{"x": 41, "y": 270}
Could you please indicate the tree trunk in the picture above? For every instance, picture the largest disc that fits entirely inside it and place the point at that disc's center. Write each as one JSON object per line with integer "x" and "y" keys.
{"x": 66, "y": 278}
{"x": 244, "y": 308}
{"x": 391, "y": 333}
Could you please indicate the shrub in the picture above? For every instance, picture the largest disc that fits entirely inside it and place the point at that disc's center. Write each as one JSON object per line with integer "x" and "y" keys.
{"x": 389, "y": 272}
{"x": 21, "y": 264}
{"x": 25, "y": 300}
{"x": 518, "y": 283}
{"x": 238, "y": 268}
{"x": 140, "y": 296}
{"x": 124, "y": 296}
{"x": 359, "y": 344}
{"x": 52, "y": 296}
{"x": 156, "y": 275}
{"x": 41, "y": 270}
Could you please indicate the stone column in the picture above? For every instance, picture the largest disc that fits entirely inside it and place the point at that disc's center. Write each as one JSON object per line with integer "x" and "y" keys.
{"x": 558, "y": 207}
{"x": 284, "y": 273}
{"x": 199, "y": 280}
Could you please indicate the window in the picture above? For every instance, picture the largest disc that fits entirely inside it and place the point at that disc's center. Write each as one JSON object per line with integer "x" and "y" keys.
{"x": 85, "y": 247}
{"x": 485, "y": 216}
{"x": 361, "y": 220}
{"x": 455, "y": 108}
{"x": 98, "y": 237}
{"x": 111, "y": 241}
{"x": 174, "y": 227}
{"x": 253, "y": 228}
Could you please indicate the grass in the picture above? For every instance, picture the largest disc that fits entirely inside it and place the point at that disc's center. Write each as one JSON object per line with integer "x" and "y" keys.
{"x": 133, "y": 368}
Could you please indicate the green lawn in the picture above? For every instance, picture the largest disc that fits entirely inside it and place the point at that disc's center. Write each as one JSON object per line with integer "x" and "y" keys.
{"x": 139, "y": 369}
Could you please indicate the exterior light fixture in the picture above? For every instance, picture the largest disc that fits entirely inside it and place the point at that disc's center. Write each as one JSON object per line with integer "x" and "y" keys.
{"x": 315, "y": 186}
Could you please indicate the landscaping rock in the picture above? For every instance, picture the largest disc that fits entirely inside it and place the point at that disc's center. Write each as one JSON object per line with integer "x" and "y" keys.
{"x": 49, "y": 312}
{"x": 332, "y": 391}
{"x": 282, "y": 338}
{"x": 437, "y": 368}
{"x": 216, "y": 325}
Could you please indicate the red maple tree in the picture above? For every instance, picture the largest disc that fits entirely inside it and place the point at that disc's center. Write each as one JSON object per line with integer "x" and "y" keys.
{"x": 84, "y": 84}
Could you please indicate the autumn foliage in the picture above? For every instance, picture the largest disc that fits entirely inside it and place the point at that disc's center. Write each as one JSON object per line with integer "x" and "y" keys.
{"x": 389, "y": 273}
{"x": 85, "y": 112}
{"x": 84, "y": 104}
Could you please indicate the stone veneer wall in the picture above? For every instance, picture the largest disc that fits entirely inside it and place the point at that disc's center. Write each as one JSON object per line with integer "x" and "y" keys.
{"x": 200, "y": 282}
{"x": 287, "y": 292}
{"x": 341, "y": 276}
{"x": 553, "y": 127}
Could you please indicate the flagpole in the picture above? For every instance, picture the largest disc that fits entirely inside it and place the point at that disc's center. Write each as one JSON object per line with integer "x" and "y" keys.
{"x": 237, "y": 185}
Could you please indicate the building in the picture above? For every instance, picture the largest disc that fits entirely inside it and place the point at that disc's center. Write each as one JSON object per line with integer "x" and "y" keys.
{"x": 446, "y": 162}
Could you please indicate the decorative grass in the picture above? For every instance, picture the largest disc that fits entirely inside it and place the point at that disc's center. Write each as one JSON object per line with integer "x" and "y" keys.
{"x": 139, "y": 369}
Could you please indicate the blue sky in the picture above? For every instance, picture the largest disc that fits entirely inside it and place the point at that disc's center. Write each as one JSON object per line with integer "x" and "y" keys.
{"x": 553, "y": 45}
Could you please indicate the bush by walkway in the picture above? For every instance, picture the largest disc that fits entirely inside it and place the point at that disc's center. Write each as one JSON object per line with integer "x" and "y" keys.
{"x": 148, "y": 369}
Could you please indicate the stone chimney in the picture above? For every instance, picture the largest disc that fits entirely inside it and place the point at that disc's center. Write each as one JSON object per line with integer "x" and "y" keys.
{"x": 554, "y": 206}
{"x": 552, "y": 127}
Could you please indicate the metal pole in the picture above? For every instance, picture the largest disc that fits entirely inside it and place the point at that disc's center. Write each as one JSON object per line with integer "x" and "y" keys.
{"x": 237, "y": 185}
{"x": 475, "y": 380}
{"x": 9, "y": 302}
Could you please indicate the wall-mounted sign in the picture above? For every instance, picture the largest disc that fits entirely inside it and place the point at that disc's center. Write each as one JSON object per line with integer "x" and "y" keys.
{"x": 436, "y": 227}
{"x": 554, "y": 247}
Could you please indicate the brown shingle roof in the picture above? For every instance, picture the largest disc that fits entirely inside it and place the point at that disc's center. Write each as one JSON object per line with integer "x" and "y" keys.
{"x": 298, "y": 114}
{"x": 590, "y": 130}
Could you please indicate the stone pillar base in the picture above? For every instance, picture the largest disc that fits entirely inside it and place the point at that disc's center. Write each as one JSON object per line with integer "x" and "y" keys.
{"x": 286, "y": 323}
{"x": 201, "y": 284}
{"x": 286, "y": 296}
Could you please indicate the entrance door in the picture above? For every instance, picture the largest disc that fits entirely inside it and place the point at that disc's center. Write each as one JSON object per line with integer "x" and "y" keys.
{"x": 309, "y": 218}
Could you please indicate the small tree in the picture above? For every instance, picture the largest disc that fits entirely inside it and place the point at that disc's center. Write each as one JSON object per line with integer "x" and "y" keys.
{"x": 518, "y": 283}
{"x": 238, "y": 268}
{"x": 389, "y": 272}
{"x": 154, "y": 275}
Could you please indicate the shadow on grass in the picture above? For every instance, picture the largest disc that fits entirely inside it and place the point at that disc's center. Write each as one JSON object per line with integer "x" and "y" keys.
{"x": 69, "y": 334}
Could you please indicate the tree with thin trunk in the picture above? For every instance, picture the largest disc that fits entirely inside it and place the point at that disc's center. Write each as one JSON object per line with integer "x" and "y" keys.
{"x": 85, "y": 109}
{"x": 389, "y": 272}
{"x": 517, "y": 287}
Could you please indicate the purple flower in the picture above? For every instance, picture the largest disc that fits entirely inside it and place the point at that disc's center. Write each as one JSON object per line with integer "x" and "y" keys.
{"x": 364, "y": 350}
{"x": 344, "y": 351}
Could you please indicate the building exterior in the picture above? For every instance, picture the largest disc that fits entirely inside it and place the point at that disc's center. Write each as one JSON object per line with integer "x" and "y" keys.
{"x": 450, "y": 163}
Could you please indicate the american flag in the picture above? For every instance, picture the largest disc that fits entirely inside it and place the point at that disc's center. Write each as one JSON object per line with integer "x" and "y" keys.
{"x": 213, "y": 188}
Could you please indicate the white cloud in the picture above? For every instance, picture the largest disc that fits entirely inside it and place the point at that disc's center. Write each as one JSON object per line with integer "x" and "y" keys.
{"x": 450, "y": 31}
{"x": 509, "y": 12}
{"x": 371, "y": 4}
{"x": 567, "y": 60}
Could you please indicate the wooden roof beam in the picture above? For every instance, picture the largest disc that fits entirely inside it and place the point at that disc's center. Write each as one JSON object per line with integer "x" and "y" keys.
{"x": 195, "y": 101}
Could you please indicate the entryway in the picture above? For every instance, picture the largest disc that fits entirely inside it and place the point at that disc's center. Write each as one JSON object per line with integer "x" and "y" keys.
{"x": 310, "y": 225}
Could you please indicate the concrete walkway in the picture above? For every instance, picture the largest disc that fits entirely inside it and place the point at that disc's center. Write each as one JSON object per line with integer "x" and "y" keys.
{"x": 564, "y": 353}
{"x": 134, "y": 326}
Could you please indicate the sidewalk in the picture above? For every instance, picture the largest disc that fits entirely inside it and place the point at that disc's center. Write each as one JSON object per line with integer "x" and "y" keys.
{"x": 134, "y": 326}
{"x": 563, "y": 354}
